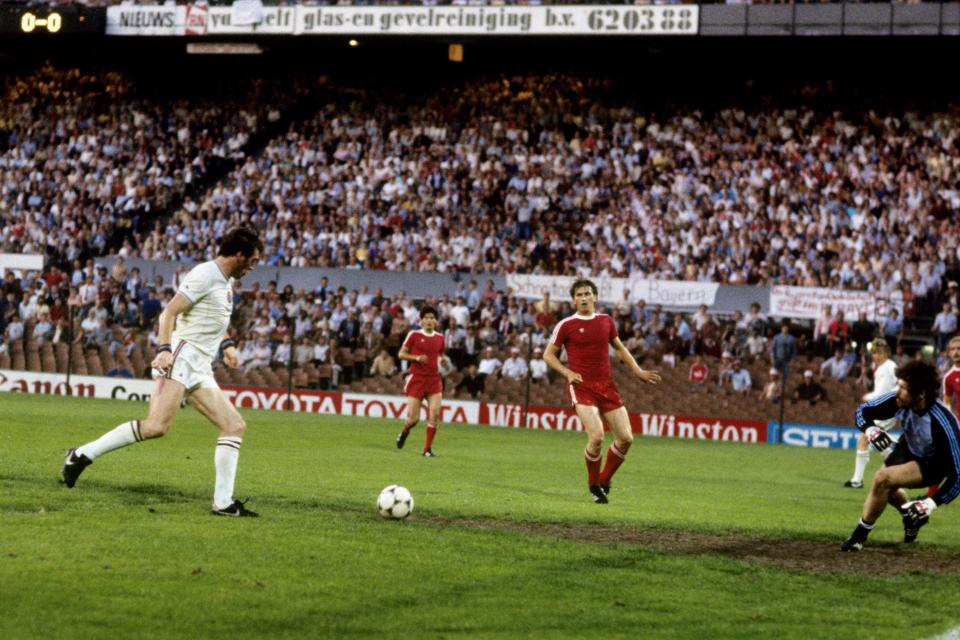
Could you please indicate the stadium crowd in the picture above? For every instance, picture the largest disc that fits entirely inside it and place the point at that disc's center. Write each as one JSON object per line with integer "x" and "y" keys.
{"x": 543, "y": 174}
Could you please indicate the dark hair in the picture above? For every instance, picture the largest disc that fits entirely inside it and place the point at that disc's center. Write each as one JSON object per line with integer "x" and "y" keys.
{"x": 583, "y": 282}
{"x": 427, "y": 309}
{"x": 921, "y": 378}
{"x": 242, "y": 240}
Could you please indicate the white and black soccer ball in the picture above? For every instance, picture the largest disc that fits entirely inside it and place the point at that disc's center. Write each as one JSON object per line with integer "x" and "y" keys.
{"x": 395, "y": 502}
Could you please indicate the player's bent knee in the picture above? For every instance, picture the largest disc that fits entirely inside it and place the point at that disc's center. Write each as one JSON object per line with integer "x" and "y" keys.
{"x": 236, "y": 427}
{"x": 152, "y": 428}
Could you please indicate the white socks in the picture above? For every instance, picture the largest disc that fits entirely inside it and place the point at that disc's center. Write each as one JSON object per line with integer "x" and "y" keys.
{"x": 225, "y": 458}
{"x": 863, "y": 457}
{"x": 127, "y": 433}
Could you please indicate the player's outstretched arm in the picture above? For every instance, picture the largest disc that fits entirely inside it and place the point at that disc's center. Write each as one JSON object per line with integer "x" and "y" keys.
{"x": 650, "y": 377}
{"x": 550, "y": 357}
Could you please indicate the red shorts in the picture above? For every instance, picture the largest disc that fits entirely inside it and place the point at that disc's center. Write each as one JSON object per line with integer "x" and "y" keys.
{"x": 601, "y": 394}
{"x": 419, "y": 387}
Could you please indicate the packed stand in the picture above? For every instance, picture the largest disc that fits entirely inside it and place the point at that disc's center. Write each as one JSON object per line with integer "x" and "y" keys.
{"x": 330, "y": 338}
{"x": 557, "y": 174}
{"x": 88, "y": 164}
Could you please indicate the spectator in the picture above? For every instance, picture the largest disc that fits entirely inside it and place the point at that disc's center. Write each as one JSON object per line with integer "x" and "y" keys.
{"x": 809, "y": 390}
{"x": 383, "y": 365}
{"x": 260, "y": 355}
{"x": 43, "y": 329}
{"x": 784, "y": 349}
{"x": 836, "y": 367}
{"x": 773, "y": 389}
{"x": 538, "y": 368}
{"x": 303, "y": 353}
{"x": 281, "y": 356}
{"x": 514, "y": 367}
{"x": 489, "y": 363}
{"x": 838, "y": 334}
{"x": 472, "y": 381}
{"x": 821, "y": 330}
{"x": 862, "y": 332}
{"x": 893, "y": 328}
{"x": 945, "y": 325}
{"x": 14, "y": 330}
{"x": 756, "y": 345}
{"x": 740, "y": 380}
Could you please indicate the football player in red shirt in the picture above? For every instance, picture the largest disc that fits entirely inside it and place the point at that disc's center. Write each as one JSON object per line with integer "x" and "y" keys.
{"x": 423, "y": 348}
{"x": 951, "y": 381}
{"x": 587, "y": 337}
{"x": 951, "y": 389}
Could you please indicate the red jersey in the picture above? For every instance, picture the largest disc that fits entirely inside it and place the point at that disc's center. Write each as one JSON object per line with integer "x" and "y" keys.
{"x": 587, "y": 341}
{"x": 419, "y": 343}
{"x": 951, "y": 388}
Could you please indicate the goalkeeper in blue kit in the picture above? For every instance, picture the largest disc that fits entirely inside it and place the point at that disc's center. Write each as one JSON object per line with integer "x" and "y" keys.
{"x": 927, "y": 454}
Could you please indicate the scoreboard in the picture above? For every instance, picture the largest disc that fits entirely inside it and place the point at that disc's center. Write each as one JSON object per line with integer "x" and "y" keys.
{"x": 50, "y": 21}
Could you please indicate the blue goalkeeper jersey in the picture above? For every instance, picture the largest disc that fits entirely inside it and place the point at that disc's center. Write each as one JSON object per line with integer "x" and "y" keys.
{"x": 933, "y": 433}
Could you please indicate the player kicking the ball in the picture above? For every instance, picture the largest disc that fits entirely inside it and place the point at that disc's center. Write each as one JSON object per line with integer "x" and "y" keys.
{"x": 191, "y": 330}
{"x": 587, "y": 336}
{"x": 928, "y": 452}
{"x": 423, "y": 349}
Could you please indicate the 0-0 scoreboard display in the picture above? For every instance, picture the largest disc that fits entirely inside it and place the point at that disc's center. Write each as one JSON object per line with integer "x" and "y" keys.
{"x": 51, "y": 21}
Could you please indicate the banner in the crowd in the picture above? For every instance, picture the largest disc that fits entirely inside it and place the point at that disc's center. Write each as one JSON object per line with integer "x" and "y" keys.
{"x": 669, "y": 293}
{"x": 807, "y": 302}
{"x": 597, "y": 20}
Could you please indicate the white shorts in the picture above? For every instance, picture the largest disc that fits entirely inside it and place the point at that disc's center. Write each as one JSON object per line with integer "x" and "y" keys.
{"x": 191, "y": 368}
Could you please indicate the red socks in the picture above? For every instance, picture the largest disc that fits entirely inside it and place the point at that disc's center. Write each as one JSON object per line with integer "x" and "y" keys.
{"x": 431, "y": 431}
{"x": 614, "y": 460}
{"x": 593, "y": 468}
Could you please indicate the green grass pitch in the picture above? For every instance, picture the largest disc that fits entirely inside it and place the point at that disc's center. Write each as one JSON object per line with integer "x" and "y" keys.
{"x": 700, "y": 540}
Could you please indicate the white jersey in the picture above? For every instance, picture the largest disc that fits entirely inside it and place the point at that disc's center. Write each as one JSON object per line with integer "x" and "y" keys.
{"x": 205, "y": 323}
{"x": 884, "y": 381}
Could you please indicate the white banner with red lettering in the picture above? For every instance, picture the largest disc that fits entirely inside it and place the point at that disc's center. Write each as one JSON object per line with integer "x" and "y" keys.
{"x": 807, "y": 302}
{"x": 669, "y": 293}
{"x": 393, "y": 407}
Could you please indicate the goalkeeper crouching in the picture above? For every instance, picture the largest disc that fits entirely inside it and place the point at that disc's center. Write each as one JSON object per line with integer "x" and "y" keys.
{"x": 927, "y": 454}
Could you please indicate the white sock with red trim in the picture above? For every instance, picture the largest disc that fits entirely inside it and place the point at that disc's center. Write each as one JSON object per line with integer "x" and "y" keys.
{"x": 117, "y": 438}
{"x": 225, "y": 457}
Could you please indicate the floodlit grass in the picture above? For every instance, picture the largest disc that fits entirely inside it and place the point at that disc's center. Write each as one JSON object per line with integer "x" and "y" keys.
{"x": 133, "y": 552}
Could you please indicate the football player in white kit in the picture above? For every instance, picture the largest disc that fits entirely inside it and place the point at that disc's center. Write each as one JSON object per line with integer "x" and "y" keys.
{"x": 193, "y": 327}
{"x": 884, "y": 381}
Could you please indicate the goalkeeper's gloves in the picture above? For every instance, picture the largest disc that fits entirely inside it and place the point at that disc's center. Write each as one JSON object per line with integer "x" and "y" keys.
{"x": 917, "y": 513}
{"x": 879, "y": 438}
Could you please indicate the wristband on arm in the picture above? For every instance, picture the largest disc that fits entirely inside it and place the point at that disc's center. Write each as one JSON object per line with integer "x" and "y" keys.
{"x": 163, "y": 347}
{"x": 226, "y": 344}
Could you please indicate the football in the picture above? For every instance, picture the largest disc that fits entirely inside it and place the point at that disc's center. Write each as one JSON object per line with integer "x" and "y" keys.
{"x": 395, "y": 502}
